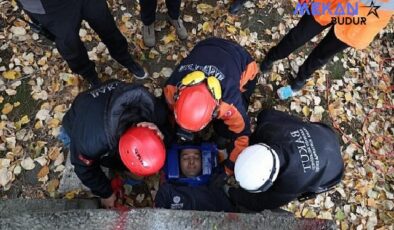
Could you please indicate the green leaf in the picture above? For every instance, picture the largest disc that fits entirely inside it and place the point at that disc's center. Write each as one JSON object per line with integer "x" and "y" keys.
{"x": 340, "y": 215}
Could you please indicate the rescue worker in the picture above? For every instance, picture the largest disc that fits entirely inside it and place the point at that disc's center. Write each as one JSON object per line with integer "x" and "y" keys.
{"x": 63, "y": 19}
{"x": 340, "y": 36}
{"x": 148, "y": 17}
{"x": 187, "y": 197}
{"x": 115, "y": 125}
{"x": 214, "y": 82}
{"x": 287, "y": 159}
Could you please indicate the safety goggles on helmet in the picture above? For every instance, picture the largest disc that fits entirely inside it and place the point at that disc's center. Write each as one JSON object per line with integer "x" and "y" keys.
{"x": 198, "y": 77}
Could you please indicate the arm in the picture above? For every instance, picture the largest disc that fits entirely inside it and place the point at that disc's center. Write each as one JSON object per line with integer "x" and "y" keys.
{"x": 238, "y": 126}
{"x": 260, "y": 201}
{"x": 90, "y": 173}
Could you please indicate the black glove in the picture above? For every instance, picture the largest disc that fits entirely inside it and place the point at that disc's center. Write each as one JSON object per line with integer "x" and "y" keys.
{"x": 218, "y": 180}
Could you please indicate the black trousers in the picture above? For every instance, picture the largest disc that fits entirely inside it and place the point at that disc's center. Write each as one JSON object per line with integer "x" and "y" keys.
{"x": 148, "y": 10}
{"x": 65, "y": 25}
{"x": 306, "y": 29}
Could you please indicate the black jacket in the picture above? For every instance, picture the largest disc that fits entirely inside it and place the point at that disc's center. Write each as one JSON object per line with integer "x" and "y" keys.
{"x": 200, "y": 198}
{"x": 309, "y": 155}
{"x": 95, "y": 122}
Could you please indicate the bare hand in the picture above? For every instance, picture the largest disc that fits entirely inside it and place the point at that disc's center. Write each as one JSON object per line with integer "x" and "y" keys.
{"x": 109, "y": 202}
{"x": 151, "y": 126}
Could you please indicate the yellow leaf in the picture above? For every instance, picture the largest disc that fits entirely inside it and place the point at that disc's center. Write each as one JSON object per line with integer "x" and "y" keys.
{"x": 38, "y": 125}
{"x": 71, "y": 195}
{"x": 11, "y": 74}
{"x": 204, "y": 8}
{"x": 306, "y": 111}
{"x": 7, "y": 108}
{"x": 60, "y": 108}
{"x": 43, "y": 172}
{"x": 53, "y": 123}
{"x": 275, "y": 77}
{"x": 348, "y": 96}
{"x": 2, "y": 124}
{"x": 231, "y": 29}
{"x": 169, "y": 38}
{"x": 207, "y": 27}
{"x": 24, "y": 120}
{"x": 52, "y": 185}
{"x": 16, "y": 104}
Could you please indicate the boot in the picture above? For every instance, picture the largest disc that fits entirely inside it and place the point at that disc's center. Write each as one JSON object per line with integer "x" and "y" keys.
{"x": 148, "y": 34}
{"x": 179, "y": 27}
{"x": 137, "y": 70}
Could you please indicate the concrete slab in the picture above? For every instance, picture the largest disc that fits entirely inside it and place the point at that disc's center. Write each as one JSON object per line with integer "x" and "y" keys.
{"x": 16, "y": 207}
{"x": 160, "y": 219}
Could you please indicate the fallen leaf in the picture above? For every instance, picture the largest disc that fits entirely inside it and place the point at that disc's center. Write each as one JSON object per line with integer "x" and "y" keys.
{"x": 5, "y": 176}
{"x": 41, "y": 160}
{"x": 7, "y": 108}
{"x": 306, "y": 111}
{"x": 59, "y": 159}
{"x": 207, "y": 27}
{"x": 204, "y": 8}
{"x": 169, "y": 38}
{"x": 11, "y": 74}
{"x": 52, "y": 185}
{"x": 231, "y": 29}
{"x": 17, "y": 170}
{"x": 28, "y": 164}
{"x": 24, "y": 120}
{"x": 43, "y": 172}
{"x": 340, "y": 215}
{"x": 70, "y": 195}
{"x": 54, "y": 153}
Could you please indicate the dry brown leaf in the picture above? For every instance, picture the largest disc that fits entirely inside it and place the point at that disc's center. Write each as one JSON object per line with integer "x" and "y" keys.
{"x": 43, "y": 172}
{"x": 7, "y": 108}
{"x": 54, "y": 153}
{"x": 52, "y": 185}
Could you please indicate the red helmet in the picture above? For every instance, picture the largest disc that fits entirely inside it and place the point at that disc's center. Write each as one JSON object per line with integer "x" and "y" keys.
{"x": 142, "y": 151}
{"x": 194, "y": 107}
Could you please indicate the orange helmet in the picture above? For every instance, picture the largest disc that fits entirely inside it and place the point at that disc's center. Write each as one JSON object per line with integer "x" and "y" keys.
{"x": 194, "y": 107}
{"x": 142, "y": 151}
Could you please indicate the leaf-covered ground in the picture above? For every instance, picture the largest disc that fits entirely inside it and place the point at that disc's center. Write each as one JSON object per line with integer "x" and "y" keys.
{"x": 353, "y": 93}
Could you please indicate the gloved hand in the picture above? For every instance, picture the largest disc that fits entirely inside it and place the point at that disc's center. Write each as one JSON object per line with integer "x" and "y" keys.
{"x": 218, "y": 180}
{"x": 229, "y": 167}
{"x": 109, "y": 202}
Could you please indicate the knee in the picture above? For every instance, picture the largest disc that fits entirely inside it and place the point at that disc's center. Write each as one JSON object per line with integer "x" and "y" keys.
{"x": 69, "y": 46}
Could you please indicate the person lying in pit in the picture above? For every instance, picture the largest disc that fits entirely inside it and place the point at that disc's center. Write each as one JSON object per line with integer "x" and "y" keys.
{"x": 191, "y": 188}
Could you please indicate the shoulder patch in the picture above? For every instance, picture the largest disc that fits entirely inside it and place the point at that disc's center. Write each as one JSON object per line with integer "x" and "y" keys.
{"x": 229, "y": 113}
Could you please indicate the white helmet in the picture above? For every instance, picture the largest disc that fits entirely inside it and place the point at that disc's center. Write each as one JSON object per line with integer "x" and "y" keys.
{"x": 256, "y": 168}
